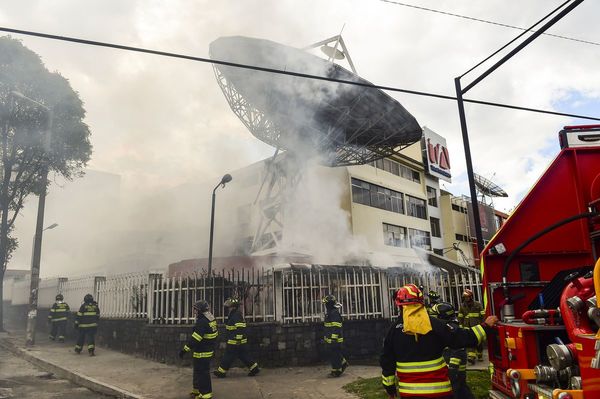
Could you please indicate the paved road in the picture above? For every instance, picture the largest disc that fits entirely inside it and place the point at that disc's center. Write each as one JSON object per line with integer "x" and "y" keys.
{"x": 20, "y": 379}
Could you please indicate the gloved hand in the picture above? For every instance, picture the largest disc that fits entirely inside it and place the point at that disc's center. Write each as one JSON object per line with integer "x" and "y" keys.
{"x": 181, "y": 354}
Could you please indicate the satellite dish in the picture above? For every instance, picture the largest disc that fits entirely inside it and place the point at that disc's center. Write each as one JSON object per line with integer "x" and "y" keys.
{"x": 351, "y": 124}
{"x": 333, "y": 52}
{"x": 488, "y": 187}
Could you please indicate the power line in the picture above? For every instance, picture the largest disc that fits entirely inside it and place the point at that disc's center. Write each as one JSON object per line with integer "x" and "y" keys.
{"x": 282, "y": 72}
{"x": 484, "y": 21}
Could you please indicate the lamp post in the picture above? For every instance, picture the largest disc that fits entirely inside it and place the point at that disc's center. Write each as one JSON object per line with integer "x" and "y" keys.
{"x": 39, "y": 227}
{"x": 224, "y": 180}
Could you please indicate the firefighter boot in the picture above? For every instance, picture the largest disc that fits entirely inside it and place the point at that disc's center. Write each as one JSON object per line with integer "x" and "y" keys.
{"x": 220, "y": 373}
{"x": 194, "y": 393}
{"x": 345, "y": 365}
{"x": 91, "y": 352}
{"x": 254, "y": 369}
{"x": 335, "y": 373}
{"x": 61, "y": 339}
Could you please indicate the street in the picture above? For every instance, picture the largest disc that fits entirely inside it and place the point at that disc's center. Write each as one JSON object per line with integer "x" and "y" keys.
{"x": 20, "y": 379}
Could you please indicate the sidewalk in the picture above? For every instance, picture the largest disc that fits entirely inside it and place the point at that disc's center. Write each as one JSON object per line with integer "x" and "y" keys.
{"x": 126, "y": 376}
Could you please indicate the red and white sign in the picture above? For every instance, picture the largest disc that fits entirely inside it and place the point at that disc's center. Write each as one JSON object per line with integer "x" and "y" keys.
{"x": 435, "y": 155}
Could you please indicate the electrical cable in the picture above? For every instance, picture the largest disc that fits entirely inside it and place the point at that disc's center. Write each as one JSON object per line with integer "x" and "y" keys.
{"x": 282, "y": 72}
{"x": 530, "y": 29}
{"x": 485, "y": 21}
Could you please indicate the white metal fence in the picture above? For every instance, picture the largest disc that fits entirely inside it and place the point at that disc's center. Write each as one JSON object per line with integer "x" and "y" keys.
{"x": 123, "y": 296}
{"x": 170, "y": 299}
{"x": 288, "y": 295}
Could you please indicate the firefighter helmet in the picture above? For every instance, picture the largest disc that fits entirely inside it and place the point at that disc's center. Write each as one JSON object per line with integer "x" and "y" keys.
{"x": 231, "y": 303}
{"x": 444, "y": 311}
{"x": 329, "y": 299}
{"x": 60, "y": 297}
{"x": 201, "y": 306}
{"x": 88, "y": 298}
{"x": 433, "y": 296}
{"x": 467, "y": 292}
{"x": 410, "y": 294}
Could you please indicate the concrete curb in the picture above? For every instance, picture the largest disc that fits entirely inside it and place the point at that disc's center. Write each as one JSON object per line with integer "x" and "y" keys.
{"x": 77, "y": 378}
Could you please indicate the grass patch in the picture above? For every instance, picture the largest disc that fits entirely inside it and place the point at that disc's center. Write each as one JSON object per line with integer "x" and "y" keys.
{"x": 370, "y": 388}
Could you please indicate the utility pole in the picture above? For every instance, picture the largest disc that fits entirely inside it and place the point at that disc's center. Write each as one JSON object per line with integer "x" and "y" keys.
{"x": 460, "y": 91}
{"x": 39, "y": 227}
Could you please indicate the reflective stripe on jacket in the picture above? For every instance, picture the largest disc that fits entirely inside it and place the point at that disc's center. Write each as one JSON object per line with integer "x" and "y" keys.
{"x": 88, "y": 316}
{"x": 236, "y": 328}
{"x": 59, "y": 312}
{"x": 333, "y": 327}
{"x": 416, "y": 362}
{"x": 204, "y": 335}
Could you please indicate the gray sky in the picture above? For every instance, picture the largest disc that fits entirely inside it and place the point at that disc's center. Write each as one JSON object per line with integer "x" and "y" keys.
{"x": 160, "y": 122}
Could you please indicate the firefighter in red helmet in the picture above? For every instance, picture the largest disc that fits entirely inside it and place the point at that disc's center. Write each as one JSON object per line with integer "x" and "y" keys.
{"x": 412, "y": 362}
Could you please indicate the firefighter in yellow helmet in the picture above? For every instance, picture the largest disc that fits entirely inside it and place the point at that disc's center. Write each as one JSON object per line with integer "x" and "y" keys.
{"x": 470, "y": 314}
{"x": 412, "y": 362}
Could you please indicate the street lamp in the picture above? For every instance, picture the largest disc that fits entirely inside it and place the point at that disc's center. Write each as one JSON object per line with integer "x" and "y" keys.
{"x": 224, "y": 180}
{"x": 39, "y": 227}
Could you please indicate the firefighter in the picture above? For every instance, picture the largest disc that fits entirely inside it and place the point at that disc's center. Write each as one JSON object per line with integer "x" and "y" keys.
{"x": 237, "y": 341}
{"x": 456, "y": 359}
{"x": 59, "y": 313}
{"x": 413, "y": 348}
{"x": 470, "y": 314}
{"x": 333, "y": 335}
{"x": 86, "y": 324}
{"x": 433, "y": 299}
{"x": 202, "y": 344}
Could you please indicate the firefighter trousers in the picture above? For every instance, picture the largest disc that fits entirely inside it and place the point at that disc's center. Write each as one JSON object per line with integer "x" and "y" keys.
{"x": 336, "y": 358}
{"x": 201, "y": 378}
{"x": 460, "y": 389}
{"x": 58, "y": 330}
{"x": 83, "y": 335}
{"x": 233, "y": 352}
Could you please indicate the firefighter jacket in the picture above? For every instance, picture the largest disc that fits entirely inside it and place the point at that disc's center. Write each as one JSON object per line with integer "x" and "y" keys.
{"x": 59, "y": 312}
{"x": 236, "y": 328}
{"x": 88, "y": 316}
{"x": 470, "y": 314}
{"x": 204, "y": 335}
{"x": 417, "y": 362}
{"x": 333, "y": 327}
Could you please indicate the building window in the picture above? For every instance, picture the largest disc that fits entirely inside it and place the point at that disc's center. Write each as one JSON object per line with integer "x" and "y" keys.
{"x": 461, "y": 237}
{"x": 432, "y": 196}
{"x": 438, "y": 251}
{"x": 397, "y": 169}
{"x": 394, "y": 235}
{"x": 459, "y": 208}
{"x": 416, "y": 207}
{"x": 420, "y": 239}
{"x": 436, "y": 231}
{"x": 377, "y": 196}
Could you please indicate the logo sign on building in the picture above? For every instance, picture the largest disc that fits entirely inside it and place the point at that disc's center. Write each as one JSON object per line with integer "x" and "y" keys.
{"x": 435, "y": 155}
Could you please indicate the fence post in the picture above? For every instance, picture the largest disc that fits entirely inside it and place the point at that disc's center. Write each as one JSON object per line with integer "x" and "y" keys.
{"x": 385, "y": 295}
{"x": 278, "y": 295}
{"x": 152, "y": 277}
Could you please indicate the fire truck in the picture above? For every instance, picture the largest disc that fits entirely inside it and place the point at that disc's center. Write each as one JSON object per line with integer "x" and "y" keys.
{"x": 541, "y": 277}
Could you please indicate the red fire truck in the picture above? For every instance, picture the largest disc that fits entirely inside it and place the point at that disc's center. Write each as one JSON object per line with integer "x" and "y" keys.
{"x": 541, "y": 277}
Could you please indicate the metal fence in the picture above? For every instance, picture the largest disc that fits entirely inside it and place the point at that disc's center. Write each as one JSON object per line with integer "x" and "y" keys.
{"x": 123, "y": 296}
{"x": 171, "y": 298}
{"x": 358, "y": 288}
{"x": 289, "y": 295}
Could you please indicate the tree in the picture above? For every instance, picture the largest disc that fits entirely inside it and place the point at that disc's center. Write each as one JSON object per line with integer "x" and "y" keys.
{"x": 25, "y": 150}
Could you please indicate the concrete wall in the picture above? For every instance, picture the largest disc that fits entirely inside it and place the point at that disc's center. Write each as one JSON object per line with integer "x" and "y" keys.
{"x": 271, "y": 344}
